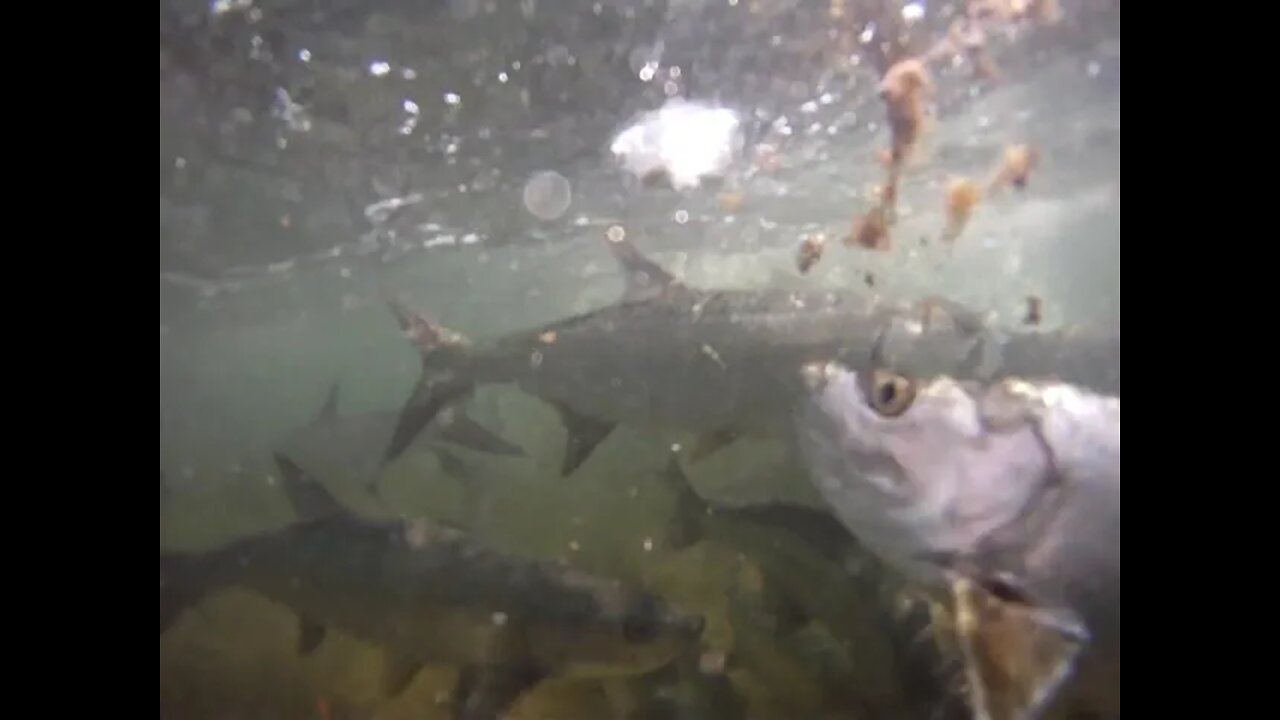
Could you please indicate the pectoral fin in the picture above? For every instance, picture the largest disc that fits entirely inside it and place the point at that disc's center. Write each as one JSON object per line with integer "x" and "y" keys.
{"x": 430, "y": 397}
{"x": 1016, "y": 655}
{"x": 584, "y": 434}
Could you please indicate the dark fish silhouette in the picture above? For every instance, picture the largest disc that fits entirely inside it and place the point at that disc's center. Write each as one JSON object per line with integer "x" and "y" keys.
{"x": 713, "y": 362}
{"x": 429, "y": 594}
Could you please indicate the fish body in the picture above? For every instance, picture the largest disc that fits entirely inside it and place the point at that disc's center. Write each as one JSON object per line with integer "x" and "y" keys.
{"x": 1005, "y": 494}
{"x": 429, "y": 594}
{"x": 710, "y": 362}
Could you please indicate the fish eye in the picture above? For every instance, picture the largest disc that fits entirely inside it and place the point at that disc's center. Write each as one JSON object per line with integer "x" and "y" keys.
{"x": 890, "y": 394}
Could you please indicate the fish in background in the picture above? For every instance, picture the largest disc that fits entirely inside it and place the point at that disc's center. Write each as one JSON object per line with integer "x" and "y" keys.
{"x": 429, "y": 594}
{"x": 718, "y": 363}
{"x": 1002, "y": 497}
{"x": 348, "y": 447}
{"x": 830, "y": 629}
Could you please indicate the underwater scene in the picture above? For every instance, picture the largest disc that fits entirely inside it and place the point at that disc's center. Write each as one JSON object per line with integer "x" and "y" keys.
{"x": 640, "y": 359}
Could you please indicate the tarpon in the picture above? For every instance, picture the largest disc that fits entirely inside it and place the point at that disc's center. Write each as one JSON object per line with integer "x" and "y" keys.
{"x": 350, "y": 445}
{"x": 712, "y": 362}
{"x": 429, "y": 594}
{"x": 1005, "y": 495}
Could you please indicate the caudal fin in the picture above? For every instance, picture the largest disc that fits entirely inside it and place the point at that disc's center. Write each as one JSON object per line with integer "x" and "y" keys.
{"x": 444, "y": 353}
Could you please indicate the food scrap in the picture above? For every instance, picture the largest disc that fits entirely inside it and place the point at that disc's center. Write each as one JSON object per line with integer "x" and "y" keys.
{"x": 810, "y": 252}
{"x": 962, "y": 195}
{"x": 966, "y": 40}
{"x": 1016, "y": 163}
{"x": 905, "y": 89}
{"x": 870, "y": 230}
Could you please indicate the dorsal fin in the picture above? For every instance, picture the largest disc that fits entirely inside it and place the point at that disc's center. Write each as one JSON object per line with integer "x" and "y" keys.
{"x": 329, "y": 410}
{"x": 644, "y": 277}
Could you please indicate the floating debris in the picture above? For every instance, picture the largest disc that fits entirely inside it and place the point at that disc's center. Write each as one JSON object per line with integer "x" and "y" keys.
{"x": 1016, "y": 163}
{"x": 962, "y": 196}
{"x": 810, "y": 252}
{"x": 870, "y": 230}
{"x": 905, "y": 90}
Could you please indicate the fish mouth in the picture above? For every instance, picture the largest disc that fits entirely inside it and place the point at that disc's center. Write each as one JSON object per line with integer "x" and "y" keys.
{"x": 832, "y": 408}
{"x": 831, "y": 392}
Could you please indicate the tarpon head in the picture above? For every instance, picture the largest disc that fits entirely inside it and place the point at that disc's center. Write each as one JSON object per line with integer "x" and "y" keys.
{"x": 1005, "y": 493}
{"x": 919, "y": 469}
